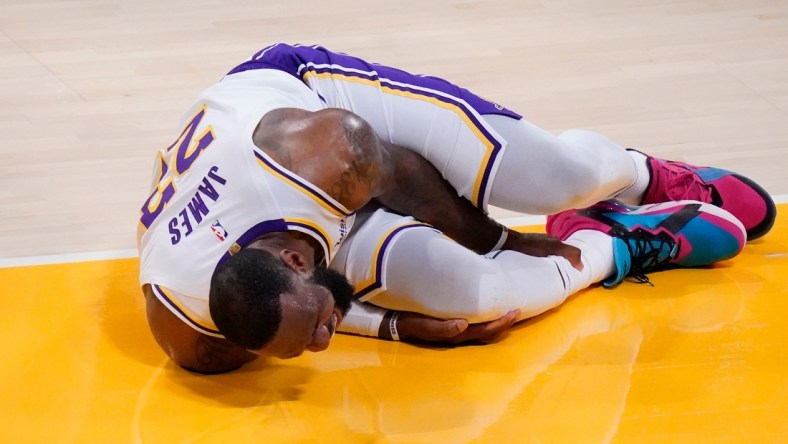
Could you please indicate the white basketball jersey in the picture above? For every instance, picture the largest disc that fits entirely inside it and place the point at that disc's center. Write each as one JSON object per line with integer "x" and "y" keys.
{"x": 215, "y": 192}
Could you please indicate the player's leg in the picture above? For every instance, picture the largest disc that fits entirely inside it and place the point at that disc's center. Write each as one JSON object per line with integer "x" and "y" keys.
{"x": 595, "y": 168}
{"x": 397, "y": 263}
{"x": 447, "y": 281}
{"x": 469, "y": 140}
{"x": 493, "y": 156}
{"x": 454, "y": 129}
{"x": 540, "y": 173}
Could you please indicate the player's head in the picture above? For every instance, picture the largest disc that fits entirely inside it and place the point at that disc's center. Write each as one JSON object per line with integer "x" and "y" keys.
{"x": 261, "y": 303}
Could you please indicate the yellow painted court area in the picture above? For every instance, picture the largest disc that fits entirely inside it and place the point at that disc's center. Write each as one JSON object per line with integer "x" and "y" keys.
{"x": 699, "y": 357}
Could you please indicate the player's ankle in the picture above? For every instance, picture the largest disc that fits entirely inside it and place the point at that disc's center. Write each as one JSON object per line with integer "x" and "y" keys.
{"x": 633, "y": 195}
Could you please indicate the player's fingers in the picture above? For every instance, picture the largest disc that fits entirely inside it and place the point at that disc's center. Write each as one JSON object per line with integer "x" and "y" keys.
{"x": 488, "y": 331}
{"x": 572, "y": 254}
{"x": 504, "y": 321}
{"x": 448, "y": 329}
{"x": 503, "y": 324}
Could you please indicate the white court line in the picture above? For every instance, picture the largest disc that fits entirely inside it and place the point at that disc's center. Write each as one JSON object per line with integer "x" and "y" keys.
{"x": 66, "y": 258}
{"x": 518, "y": 221}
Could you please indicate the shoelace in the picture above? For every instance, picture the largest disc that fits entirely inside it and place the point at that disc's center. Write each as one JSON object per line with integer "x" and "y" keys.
{"x": 647, "y": 251}
{"x": 682, "y": 183}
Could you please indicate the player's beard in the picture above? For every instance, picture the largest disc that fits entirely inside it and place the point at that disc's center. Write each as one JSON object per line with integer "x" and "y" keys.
{"x": 337, "y": 284}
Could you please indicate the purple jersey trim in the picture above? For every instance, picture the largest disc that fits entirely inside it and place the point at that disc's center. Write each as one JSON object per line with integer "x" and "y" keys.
{"x": 292, "y": 58}
{"x": 317, "y": 234}
{"x": 271, "y": 226}
{"x": 253, "y": 233}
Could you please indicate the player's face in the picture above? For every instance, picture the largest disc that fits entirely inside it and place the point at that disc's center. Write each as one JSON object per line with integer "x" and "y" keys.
{"x": 310, "y": 314}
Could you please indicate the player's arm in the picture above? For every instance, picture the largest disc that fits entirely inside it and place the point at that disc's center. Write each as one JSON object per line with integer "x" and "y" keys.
{"x": 407, "y": 183}
{"x": 366, "y": 319}
{"x": 416, "y": 327}
{"x": 400, "y": 179}
{"x": 189, "y": 348}
{"x": 411, "y": 185}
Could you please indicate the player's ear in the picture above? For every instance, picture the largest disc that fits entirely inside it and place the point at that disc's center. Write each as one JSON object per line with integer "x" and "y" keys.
{"x": 294, "y": 260}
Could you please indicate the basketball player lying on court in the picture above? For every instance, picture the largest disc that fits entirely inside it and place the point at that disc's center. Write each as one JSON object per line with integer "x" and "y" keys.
{"x": 259, "y": 192}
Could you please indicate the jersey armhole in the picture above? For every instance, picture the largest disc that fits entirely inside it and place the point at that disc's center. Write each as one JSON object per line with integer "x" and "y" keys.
{"x": 178, "y": 305}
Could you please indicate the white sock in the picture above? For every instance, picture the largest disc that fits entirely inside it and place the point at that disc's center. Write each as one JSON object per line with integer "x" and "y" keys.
{"x": 634, "y": 194}
{"x": 596, "y": 254}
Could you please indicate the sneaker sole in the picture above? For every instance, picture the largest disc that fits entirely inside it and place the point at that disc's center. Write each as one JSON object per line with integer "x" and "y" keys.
{"x": 771, "y": 209}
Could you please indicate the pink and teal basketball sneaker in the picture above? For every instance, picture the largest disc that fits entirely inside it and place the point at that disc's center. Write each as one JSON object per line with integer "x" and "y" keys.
{"x": 740, "y": 196}
{"x": 658, "y": 236}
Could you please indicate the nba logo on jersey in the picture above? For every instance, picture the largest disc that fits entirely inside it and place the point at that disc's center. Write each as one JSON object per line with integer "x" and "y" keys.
{"x": 219, "y": 230}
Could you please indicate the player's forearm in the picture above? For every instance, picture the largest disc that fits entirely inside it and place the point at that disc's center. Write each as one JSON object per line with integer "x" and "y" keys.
{"x": 414, "y": 187}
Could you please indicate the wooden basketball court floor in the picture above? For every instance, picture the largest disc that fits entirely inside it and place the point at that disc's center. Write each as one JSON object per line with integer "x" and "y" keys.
{"x": 90, "y": 89}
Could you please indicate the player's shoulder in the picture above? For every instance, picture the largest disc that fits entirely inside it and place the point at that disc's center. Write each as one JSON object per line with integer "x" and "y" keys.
{"x": 298, "y": 137}
{"x": 332, "y": 148}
